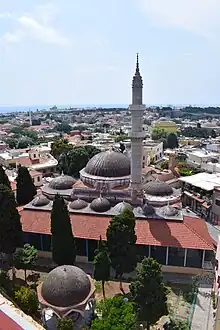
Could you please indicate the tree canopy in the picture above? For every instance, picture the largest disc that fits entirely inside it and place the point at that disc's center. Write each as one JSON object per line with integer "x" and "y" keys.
{"x": 172, "y": 141}
{"x": 121, "y": 239}
{"x": 59, "y": 147}
{"x": 25, "y": 257}
{"x": 102, "y": 264}
{"x": 63, "y": 243}
{"x": 26, "y": 189}
{"x": 76, "y": 159}
{"x": 10, "y": 226}
{"x": 158, "y": 133}
{"x": 4, "y": 178}
{"x": 148, "y": 292}
{"x": 117, "y": 314}
{"x": 63, "y": 127}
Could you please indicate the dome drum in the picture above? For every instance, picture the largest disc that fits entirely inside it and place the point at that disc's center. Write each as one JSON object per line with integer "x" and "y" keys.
{"x": 110, "y": 169}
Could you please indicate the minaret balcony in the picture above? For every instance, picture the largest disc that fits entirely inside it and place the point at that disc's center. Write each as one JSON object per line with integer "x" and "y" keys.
{"x": 137, "y": 107}
{"x": 137, "y": 135}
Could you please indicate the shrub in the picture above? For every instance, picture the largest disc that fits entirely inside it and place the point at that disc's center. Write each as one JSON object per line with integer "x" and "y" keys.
{"x": 5, "y": 282}
{"x": 27, "y": 300}
{"x": 65, "y": 324}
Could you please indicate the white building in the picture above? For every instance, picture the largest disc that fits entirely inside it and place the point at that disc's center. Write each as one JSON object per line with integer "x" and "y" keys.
{"x": 204, "y": 159}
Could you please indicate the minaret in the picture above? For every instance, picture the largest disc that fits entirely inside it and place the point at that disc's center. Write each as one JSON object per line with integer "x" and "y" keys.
{"x": 137, "y": 135}
{"x": 30, "y": 117}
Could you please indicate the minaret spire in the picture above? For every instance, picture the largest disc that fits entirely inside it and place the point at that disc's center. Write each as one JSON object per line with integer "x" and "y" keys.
{"x": 137, "y": 65}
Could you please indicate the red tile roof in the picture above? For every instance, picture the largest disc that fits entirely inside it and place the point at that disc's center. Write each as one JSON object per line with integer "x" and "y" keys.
{"x": 7, "y": 323}
{"x": 189, "y": 233}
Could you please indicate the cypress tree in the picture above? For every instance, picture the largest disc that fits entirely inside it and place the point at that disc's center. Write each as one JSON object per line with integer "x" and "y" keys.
{"x": 10, "y": 226}
{"x": 63, "y": 244}
{"x": 26, "y": 189}
{"x": 4, "y": 178}
{"x": 102, "y": 264}
{"x": 121, "y": 239}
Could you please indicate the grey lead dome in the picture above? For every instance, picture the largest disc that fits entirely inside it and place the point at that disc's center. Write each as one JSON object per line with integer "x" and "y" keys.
{"x": 157, "y": 188}
{"x": 62, "y": 182}
{"x": 66, "y": 286}
{"x": 78, "y": 204}
{"x": 109, "y": 164}
{"x": 40, "y": 200}
{"x": 100, "y": 204}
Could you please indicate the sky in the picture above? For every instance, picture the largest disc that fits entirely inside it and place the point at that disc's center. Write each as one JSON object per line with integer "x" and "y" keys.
{"x": 84, "y": 52}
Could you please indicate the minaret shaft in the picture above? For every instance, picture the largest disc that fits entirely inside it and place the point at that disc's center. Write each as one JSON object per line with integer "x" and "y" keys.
{"x": 137, "y": 135}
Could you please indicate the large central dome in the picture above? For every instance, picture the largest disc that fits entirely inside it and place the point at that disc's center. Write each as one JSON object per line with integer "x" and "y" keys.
{"x": 109, "y": 164}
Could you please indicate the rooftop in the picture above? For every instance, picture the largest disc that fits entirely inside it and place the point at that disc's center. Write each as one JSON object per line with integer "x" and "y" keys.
{"x": 190, "y": 233}
{"x": 205, "y": 181}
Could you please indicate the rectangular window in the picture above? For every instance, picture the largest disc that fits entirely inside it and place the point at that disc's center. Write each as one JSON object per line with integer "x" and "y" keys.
{"x": 38, "y": 178}
{"x": 217, "y": 202}
{"x": 143, "y": 157}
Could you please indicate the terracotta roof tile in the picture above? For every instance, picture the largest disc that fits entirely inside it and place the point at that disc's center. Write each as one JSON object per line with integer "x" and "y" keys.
{"x": 190, "y": 233}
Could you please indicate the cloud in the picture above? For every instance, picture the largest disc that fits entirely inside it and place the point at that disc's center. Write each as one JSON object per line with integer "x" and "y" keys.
{"x": 14, "y": 37}
{"x": 5, "y": 15}
{"x": 44, "y": 33}
{"x": 36, "y": 25}
{"x": 198, "y": 16}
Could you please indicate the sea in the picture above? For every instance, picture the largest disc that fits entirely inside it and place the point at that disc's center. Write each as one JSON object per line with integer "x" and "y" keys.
{"x": 10, "y": 109}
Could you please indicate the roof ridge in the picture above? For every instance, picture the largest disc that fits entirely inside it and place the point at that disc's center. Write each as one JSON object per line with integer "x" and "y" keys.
{"x": 193, "y": 230}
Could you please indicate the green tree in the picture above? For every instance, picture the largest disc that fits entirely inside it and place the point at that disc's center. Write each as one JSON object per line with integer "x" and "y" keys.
{"x": 102, "y": 264}
{"x": 213, "y": 134}
{"x": 11, "y": 142}
{"x": 148, "y": 292}
{"x": 26, "y": 299}
{"x": 4, "y": 178}
{"x": 10, "y": 226}
{"x": 63, "y": 127}
{"x": 26, "y": 189}
{"x": 158, "y": 133}
{"x": 122, "y": 147}
{"x": 59, "y": 147}
{"x": 24, "y": 142}
{"x": 164, "y": 165}
{"x": 24, "y": 258}
{"x": 63, "y": 243}
{"x": 117, "y": 314}
{"x": 172, "y": 141}
{"x": 121, "y": 241}
{"x": 175, "y": 324}
{"x": 65, "y": 324}
{"x": 76, "y": 159}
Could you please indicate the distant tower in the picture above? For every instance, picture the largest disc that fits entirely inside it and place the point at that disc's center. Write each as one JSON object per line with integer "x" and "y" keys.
{"x": 137, "y": 135}
{"x": 30, "y": 117}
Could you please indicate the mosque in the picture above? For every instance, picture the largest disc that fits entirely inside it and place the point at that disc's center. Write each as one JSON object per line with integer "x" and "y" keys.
{"x": 110, "y": 183}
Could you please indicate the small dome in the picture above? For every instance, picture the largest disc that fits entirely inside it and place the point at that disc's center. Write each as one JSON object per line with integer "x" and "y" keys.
{"x": 100, "y": 204}
{"x": 66, "y": 286}
{"x": 148, "y": 209}
{"x": 169, "y": 211}
{"x": 78, "y": 204}
{"x": 121, "y": 207}
{"x": 40, "y": 200}
{"x": 109, "y": 164}
{"x": 158, "y": 188}
{"x": 62, "y": 182}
